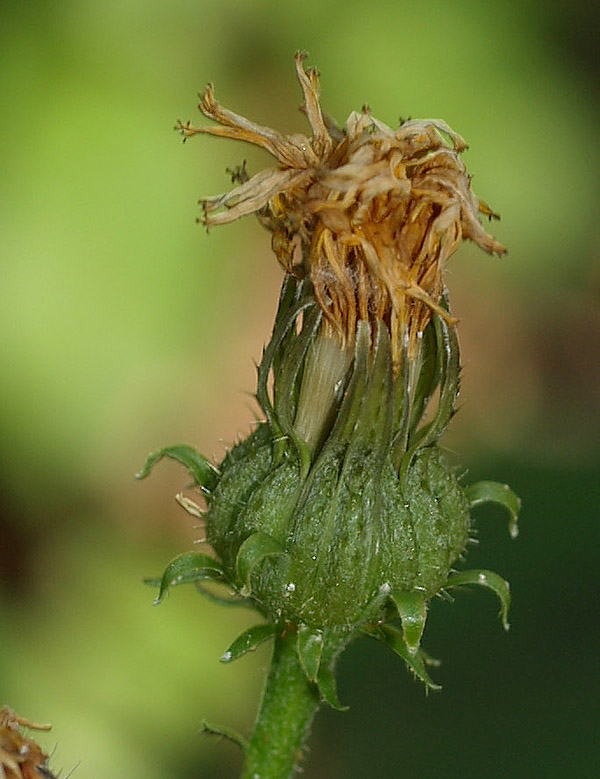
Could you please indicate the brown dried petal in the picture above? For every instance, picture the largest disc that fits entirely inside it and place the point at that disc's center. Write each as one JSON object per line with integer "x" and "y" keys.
{"x": 377, "y": 212}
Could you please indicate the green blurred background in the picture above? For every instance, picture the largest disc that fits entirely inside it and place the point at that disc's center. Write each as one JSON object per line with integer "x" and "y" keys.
{"x": 125, "y": 327}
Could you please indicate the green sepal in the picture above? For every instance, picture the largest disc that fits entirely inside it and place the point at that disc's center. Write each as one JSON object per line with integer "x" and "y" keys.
{"x": 415, "y": 384}
{"x": 310, "y": 649}
{"x": 189, "y": 567}
{"x": 291, "y": 298}
{"x": 203, "y": 472}
{"x": 286, "y": 316}
{"x": 286, "y": 384}
{"x": 412, "y": 610}
{"x": 224, "y": 732}
{"x": 348, "y": 414}
{"x": 393, "y": 638}
{"x": 296, "y": 298}
{"x": 448, "y": 357}
{"x": 375, "y": 420}
{"x": 495, "y": 492}
{"x": 427, "y": 377}
{"x": 249, "y": 640}
{"x": 252, "y": 552}
{"x": 327, "y": 687}
{"x": 486, "y": 579}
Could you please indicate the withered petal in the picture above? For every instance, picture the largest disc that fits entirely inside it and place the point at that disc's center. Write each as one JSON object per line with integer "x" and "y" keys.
{"x": 377, "y": 212}
{"x": 251, "y": 196}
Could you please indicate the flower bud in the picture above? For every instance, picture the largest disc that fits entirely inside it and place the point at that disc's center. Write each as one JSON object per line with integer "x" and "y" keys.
{"x": 355, "y": 509}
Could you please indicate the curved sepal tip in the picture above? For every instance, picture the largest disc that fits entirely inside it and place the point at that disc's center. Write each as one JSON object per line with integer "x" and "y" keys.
{"x": 189, "y": 567}
{"x": 249, "y": 640}
{"x": 488, "y": 579}
{"x": 495, "y": 492}
{"x": 204, "y": 473}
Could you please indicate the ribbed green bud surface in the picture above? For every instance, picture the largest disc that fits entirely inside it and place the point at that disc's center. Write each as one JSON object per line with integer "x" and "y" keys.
{"x": 350, "y": 534}
{"x": 320, "y": 524}
{"x": 339, "y": 513}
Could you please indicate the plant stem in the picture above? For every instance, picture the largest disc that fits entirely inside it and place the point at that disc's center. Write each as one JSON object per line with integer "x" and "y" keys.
{"x": 289, "y": 703}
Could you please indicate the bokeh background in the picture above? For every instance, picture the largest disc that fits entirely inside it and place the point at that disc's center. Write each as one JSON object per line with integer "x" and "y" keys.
{"x": 124, "y": 327}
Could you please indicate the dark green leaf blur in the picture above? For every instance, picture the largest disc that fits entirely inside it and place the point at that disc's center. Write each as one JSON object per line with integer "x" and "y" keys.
{"x": 124, "y": 327}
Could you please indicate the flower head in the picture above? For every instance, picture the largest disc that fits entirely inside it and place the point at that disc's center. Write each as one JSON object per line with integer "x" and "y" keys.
{"x": 339, "y": 513}
{"x": 370, "y": 213}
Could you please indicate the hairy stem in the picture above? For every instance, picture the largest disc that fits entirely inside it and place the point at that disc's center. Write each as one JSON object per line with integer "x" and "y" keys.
{"x": 288, "y": 705}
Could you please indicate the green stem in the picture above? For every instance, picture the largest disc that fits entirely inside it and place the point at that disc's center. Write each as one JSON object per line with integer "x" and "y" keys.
{"x": 288, "y": 705}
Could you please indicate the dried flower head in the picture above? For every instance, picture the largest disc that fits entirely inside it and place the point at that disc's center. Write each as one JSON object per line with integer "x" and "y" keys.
{"x": 372, "y": 214}
{"x": 20, "y": 757}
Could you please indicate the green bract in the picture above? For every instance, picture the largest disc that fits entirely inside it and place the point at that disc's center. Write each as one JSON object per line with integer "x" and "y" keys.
{"x": 339, "y": 513}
